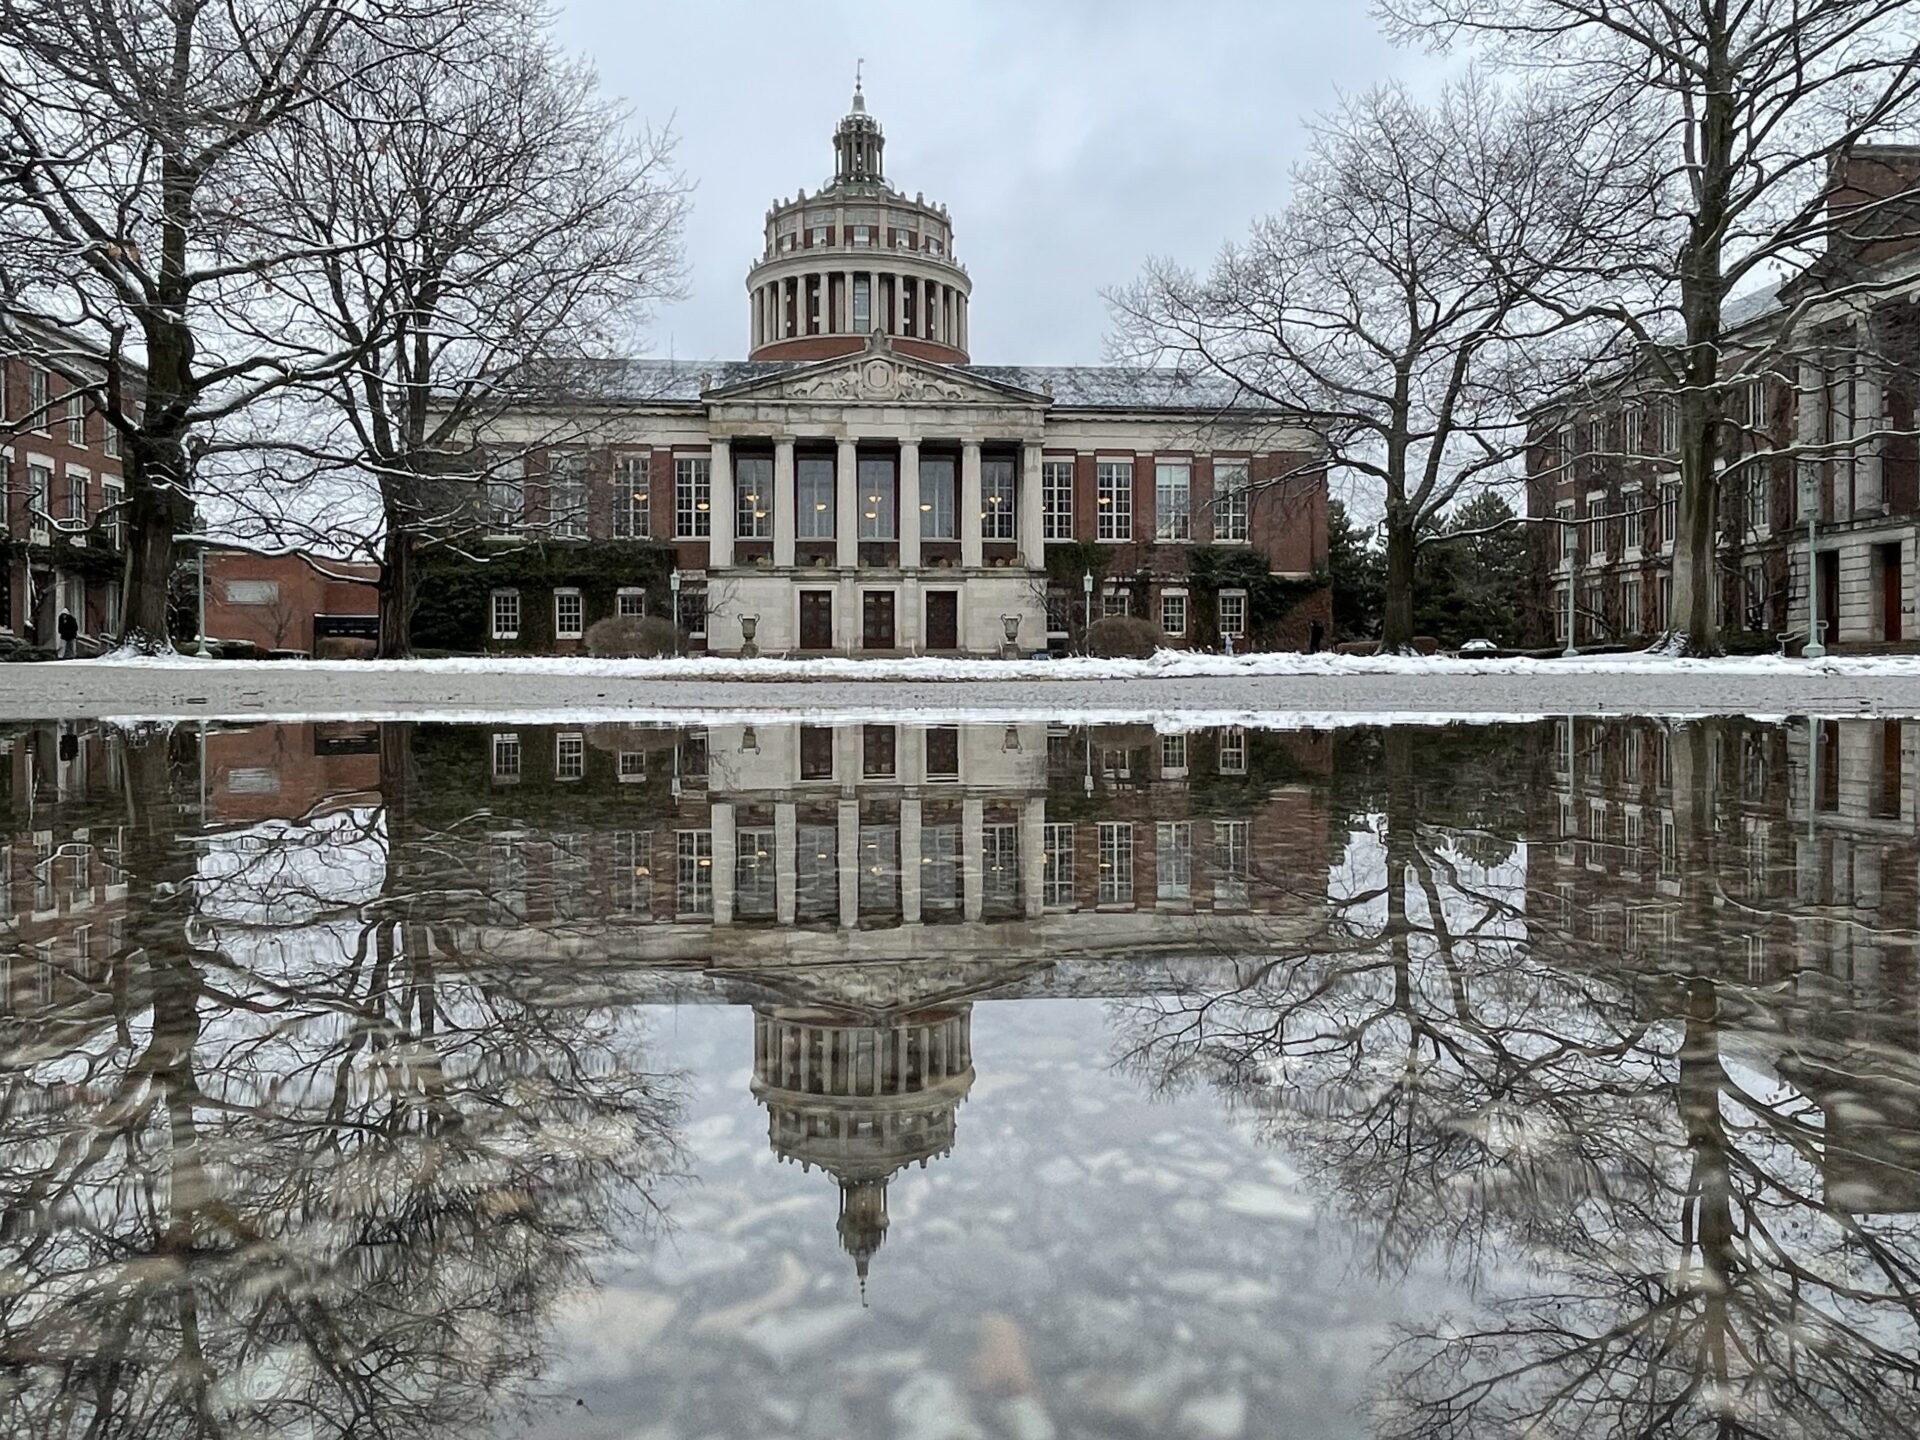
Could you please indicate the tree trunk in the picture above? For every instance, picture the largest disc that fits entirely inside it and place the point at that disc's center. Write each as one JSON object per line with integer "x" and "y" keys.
{"x": 157, "y": 509}
{"x": 1396, "y": 623}
{"x": 397, "y": 593}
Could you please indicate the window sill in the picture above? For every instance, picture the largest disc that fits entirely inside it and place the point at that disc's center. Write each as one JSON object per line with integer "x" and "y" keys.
{"x": 511, "y": 635}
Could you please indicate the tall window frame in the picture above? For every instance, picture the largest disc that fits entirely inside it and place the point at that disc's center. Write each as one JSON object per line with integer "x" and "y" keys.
{"x": 814, "y": 481}
{"x": 567, "y": 495}
{"x": 1232, "y": 486}
{"x": 879, "y": 478}
{"x": 753, "y": 497}
{"x": 569, "y": 614}
{"x": 633, "y": 496}
{"x": 1113, "y": 487}
{"x": 1115, "y": 838}
{"x": 1056, "y": 499}
{"x": 939, "y": 507}
{"x": 1173, "y": 501}
{"x": 503, "y": 608}
{"x": 693, "y": 497}
{"x": 999, "y": 508}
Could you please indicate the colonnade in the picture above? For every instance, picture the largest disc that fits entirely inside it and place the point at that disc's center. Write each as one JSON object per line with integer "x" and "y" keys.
{"x": 821, "y": 302}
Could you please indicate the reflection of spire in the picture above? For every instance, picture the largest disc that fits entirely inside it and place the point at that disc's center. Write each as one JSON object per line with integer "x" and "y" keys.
{"x": 862, "y": 1099}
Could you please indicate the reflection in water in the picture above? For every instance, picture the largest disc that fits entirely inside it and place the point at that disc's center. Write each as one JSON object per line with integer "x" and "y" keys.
{"x": 329, "y": 1082}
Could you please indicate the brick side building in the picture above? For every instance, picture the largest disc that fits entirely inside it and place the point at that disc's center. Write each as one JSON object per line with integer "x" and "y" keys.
{"x": 290, "y": 601}
{"x": 858, "y": 485}
{"x": 1819, "y": 430}
{"x": 61, "y": 511}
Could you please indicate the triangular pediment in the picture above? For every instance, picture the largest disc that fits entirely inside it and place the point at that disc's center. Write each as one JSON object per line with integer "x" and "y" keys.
{"x": 879, "y": 375}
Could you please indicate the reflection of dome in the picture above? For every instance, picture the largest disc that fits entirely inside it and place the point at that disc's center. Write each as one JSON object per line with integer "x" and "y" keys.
{"x": 862, "y": 1100}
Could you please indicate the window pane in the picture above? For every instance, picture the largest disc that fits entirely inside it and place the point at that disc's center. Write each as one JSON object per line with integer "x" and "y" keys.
{"x": 633, "y": 497}
{"x": 753, "y": 497}
{"x": 1173, "y": 495}
{"x": 876, "y": 498}
{"x": 877, "y": 744}
{"x": 943, "y": 753}
{"x": 693, "y": 497}
{"x": 816, "y": 752}
{"x": 567, "y": 495}
{"x": 997, "y": 509}
{"x": 1115, "y": 486}
{"x": 1056, "y": 499}
{"x": 937, "y": 499}
{"x": 1230, "y": 499}
{"x": 813, "y": 485}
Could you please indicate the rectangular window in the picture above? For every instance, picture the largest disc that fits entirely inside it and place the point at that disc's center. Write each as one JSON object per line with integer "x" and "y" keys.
{"x": 633, "y": 497}
{"x": 998, "y": 512}
{"x": 1666, "y": 416}
{"x": 816, "y": 752}
{"x": 753, "y": 497}
{"x": 39, "y": 495}
{"x": 506, "y": 758}
{"x": 633, "y": 873}
{"x": 862, "y": 235}
{"x": 1173, "y": 860}
{"x": 1173, "y": 757}
{"x": 1596, "y": 527}
{"x": 76, "y": 501}
{"x": 1116, "y": 863}
{"x": 937, "y": 503}
{"x": 1569, "y": 531}
{"x": 1173, "y": 500}
{"x": 109, "y": 439}
{"x": 633, "y": 767}
{"x": 1669, "y": 513}
{"x": 862, "y": 295}
{"x": 38, "y": 406}
{"x": 567, "y": 495}
{"x": 1232, "y": 864}
{"x": 113, "y": 514}
{"x": 1173, "y": 612}
{"x": 1759, "y": 502}
{"x": 755, "y": 876}
{"x": 693, "y": 497}
{"x": 693, "y": 887}
{"x": 819, "y": 235}
{"x": 630, "y": 602}
{"x": 877, "y": 506}
{"x": 253, "y": 592}
{"x": 1056, "y": 878}
{"x": 1000, "y": 869}
{"x": 506, "y": 496}
{"x": 1233, "y": 613}
{"x": 569, "y": 615}
{"x": 76, "y": 420}
{"x": 506, "y": 614}
{"x": 1056, "y": 499}
{"x": 1113, "y": 480}
{"x": 1754, "y": 579}
{"x": 692, "y": 616}
{"x": 1233, "y": 751}
{"x": 569, "y": 757}
{"x": 878, "y": 746}
{"x": 1230, "y": 494}
{"x": 943, "y": 753}
{"x": 1115, "y": 600}
{"x": 813, "y": 500}
{"x": 1630, "y": 606}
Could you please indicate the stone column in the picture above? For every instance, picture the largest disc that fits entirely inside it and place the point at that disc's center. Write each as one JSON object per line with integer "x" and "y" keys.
{"x": 753, "y": 330}
{"x": 849, "y": 864}
{"x": 1809, "y": 417}
{"x": 720, "y": 544}
{"x": 973, "y": 848}
{"x": 720, "y": 817}
{"x": 1033, "y": 553}
{"x": 909, "y": 504}
{"x": 901, "y": 282}
{"x": 1033, "y": 855}
{"x": 786, "y": 852}
{"x": 1869, "y": 415}
{"x": 910, "y": 862}
{"x": 783, "y": 502}
{"x": 846, "y": 496}
{"x": 960, "y": 319}
{"x": 970, "y": 503}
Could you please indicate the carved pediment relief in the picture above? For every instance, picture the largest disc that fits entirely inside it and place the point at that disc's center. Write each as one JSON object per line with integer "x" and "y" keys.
{"x": 880, "y": 375}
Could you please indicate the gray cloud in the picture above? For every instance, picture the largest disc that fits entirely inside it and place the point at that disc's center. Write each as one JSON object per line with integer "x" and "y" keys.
{"x": 1070, "y": 139}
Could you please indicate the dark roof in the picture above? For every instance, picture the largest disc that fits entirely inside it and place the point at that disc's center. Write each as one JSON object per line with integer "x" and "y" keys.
{"x": 1074, "y": 387}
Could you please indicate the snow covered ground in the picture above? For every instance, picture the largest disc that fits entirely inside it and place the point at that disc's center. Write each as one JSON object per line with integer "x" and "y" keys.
{"x": 1170, "y": 690}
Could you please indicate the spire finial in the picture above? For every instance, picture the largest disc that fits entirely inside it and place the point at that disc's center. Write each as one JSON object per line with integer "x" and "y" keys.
{"x": 859, "y": 98}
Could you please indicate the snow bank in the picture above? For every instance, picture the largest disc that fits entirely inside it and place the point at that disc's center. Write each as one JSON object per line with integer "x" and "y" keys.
{"x": 1165, "y": 665}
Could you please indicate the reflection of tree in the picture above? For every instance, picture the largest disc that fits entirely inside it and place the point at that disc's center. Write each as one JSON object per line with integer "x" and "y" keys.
{"x": 1672, "y": 1238}
{"x": 301, "y": 1174}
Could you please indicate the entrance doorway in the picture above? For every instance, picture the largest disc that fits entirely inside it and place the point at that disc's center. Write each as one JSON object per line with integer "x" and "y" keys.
{"x": 876, "y": 620}
{"x": 816, "y": 619}
{"x": 943, "y": 619}
{"x": 1887, "y": 562}
{"x": 1828, "y": 562}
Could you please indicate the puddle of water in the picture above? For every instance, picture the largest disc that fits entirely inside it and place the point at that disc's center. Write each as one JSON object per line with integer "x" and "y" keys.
{"x": 960, "y": 1081}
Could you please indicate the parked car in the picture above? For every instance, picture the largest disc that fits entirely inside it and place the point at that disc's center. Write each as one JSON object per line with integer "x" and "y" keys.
{"x": 1478, "y": 647}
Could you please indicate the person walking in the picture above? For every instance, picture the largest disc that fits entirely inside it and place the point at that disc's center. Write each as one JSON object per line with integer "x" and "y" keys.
{"x": 69, "y": 632}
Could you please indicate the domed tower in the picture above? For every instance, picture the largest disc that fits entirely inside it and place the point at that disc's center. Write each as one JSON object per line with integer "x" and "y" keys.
{"x": 856, "y": 258}
{"x": 861, "y": 1100}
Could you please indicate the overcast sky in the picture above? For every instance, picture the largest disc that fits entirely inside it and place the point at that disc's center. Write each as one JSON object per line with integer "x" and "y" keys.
{"x": 1069, "y": 139}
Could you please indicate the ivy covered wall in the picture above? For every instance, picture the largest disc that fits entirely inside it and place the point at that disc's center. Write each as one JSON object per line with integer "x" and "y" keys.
{"x": 454, "y": 612}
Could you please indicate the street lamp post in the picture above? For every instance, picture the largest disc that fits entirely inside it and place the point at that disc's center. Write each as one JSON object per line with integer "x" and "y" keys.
{"x": 673, "y": 584}
{"x": 1814, "y": 649}
{"x": 1086, "y": 606}
{"x": 202, "y": 651}
{"x": 1573, "y": 589}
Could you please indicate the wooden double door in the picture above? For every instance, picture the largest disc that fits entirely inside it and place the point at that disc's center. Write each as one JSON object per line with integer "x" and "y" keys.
{"x": 876, "y": 620}
{"x": 816, "y": 620}
{"x": 943, "y": 620}
{"x": 879, "y": 628}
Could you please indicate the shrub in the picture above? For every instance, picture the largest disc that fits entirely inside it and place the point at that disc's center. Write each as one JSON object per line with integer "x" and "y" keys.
{"x": 631, "y": 637}
{"x": 1122, "y": 637}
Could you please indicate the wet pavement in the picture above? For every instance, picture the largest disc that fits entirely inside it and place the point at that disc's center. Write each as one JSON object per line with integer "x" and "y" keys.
{"x": 960, "y": 1081}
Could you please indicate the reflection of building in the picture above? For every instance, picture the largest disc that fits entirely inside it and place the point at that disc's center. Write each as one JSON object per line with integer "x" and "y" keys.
{"x": 857, "y": 485}
{"x": 861, "y": 1098}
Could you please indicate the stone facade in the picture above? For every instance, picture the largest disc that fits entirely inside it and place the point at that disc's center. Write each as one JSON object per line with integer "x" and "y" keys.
{"x": 859, "y": 486}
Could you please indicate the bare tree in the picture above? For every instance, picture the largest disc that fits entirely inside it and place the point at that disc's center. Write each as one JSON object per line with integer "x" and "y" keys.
{"x": 493, "y": 213}
{"x": 129, "y": 135}
{"x": 1742, "y": 111}
{"x": 1391, "y": 298}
